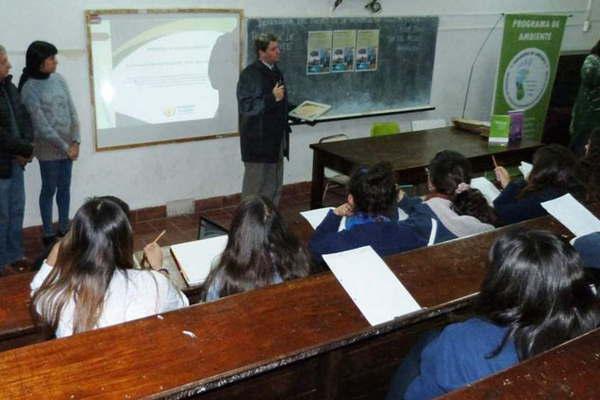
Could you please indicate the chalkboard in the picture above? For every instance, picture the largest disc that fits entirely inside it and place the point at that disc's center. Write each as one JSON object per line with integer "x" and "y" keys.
{"x": 401, "y": 81}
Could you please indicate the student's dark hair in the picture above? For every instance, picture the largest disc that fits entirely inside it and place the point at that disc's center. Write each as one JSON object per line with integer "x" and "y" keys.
{"x": 535, "y": 286}
{"x": 447, "y": 171}
{"x": 99, "y": 242}
{"x": 588, "y": 169}
{"x": 553, "y": 166}
{"x": 259, "y": 247}
{"x": 596, "y": 49}
{"x": 124, "y": 206}
{"x": 36, "y": 53}
{"x": 374, "y": 190}
{"x": 261, "y": 43}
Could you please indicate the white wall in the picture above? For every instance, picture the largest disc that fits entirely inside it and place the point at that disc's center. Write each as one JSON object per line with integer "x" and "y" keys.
{"x": 153, "y": 175}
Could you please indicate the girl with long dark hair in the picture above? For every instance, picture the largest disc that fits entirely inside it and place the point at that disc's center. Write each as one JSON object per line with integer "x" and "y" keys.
{"x": 56, "y": 132}
{"x": 260, "y": 251}
{"x": 534, "y": 297}
{"x": 371, "y": 217}
{"x": 88, "y": 280}
{"x": 458, "y": 209}
{"x": 552, "y": 176}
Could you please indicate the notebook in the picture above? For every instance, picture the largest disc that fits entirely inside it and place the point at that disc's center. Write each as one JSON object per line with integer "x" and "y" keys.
{"x": 194, "y": 259}
{"x": 487, "y": 189}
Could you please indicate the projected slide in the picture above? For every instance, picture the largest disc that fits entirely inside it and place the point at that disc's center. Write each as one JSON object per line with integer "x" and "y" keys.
{"x": 163, "y": 77}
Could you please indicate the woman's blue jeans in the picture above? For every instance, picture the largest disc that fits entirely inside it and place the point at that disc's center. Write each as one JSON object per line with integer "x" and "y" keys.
{"x": 56, "y": 179}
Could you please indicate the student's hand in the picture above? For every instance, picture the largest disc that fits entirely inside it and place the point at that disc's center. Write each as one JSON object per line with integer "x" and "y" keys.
{"x": 53, "y": 255}
{"x": 23, "y": 161}
{"x": 73, "y": 151}
{"x": 154, "y": 255}
{"x": 345, "y": 210}
{"x": 278, "y": 92}
{"x": 502, "y": 176}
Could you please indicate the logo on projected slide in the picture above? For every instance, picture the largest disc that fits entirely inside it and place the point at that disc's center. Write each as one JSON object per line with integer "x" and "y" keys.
{"x": 169, "y": 111}
{"x": 526, "y": 78}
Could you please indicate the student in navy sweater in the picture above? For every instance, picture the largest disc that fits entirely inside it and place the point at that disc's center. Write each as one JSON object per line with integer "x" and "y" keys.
{"x": 458, "y": 209}
{"x": 371, "y": 218}
{"x": 588, "y": 247}
{"x": 552, "y": 176}
{"x": 533, "y": 298}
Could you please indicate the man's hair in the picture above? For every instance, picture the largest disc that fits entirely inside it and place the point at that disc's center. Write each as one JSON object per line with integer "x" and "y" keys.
{"x": 2, "y": 49}
{"x": 261, "y": 43}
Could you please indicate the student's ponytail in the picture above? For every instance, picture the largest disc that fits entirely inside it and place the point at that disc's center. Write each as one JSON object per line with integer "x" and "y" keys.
{"x": 471, "y": 202}
{"x": 450, "y": 173}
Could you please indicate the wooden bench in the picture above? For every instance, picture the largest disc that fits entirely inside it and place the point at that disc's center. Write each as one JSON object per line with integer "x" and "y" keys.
{"x": 569, "y": 371}
{"x": 298, "y": 340}
{"x": 17, "y": 327}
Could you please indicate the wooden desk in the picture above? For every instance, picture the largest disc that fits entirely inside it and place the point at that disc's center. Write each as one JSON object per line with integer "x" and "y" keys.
{"x": 569, "y": 371}
{"x": 303, "y": 339}
{"x": 409, "y": 154}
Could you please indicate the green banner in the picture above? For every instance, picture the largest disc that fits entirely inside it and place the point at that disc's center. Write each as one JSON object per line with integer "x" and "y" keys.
{"x": 527, "y": 67}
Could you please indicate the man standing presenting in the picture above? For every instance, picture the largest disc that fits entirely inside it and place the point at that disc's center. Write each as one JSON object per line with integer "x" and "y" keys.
{"x": 263, "y": 121}
{"x": 16, "y": 135}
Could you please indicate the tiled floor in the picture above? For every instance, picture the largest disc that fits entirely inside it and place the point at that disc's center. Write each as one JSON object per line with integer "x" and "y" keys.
{"x": 185, "y": 227}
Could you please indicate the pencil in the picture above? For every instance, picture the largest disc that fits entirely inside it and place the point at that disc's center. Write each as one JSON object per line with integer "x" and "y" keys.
{"x": 495, "y": 163}
{"x": 144, "y": 259}
{"x": 160, "y": 235}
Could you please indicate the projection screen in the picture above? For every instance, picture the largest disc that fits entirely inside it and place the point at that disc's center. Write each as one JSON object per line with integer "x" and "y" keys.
{"x": 163, "y": 75}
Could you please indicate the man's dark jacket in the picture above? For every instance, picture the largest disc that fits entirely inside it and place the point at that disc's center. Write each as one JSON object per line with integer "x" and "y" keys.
{"x": 263, "y": 122}
{"x": 13, "y": 143}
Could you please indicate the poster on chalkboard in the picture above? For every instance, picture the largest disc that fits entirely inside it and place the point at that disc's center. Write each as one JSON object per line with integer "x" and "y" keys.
{"x": 342, "y": 59}
{"x": 318, "y": 57}
{"x": 367, "y": 49}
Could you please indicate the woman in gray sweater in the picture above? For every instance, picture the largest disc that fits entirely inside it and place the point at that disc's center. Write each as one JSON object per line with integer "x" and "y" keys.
{"x": 56, "y": 132}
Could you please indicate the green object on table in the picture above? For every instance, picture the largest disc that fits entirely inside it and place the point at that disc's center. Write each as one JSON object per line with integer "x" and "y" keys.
{"x": 499, "y": 129}
{"x": 385, "y": 128}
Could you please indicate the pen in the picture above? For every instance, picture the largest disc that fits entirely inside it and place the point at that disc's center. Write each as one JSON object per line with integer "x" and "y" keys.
{"x": 494, "y": 161}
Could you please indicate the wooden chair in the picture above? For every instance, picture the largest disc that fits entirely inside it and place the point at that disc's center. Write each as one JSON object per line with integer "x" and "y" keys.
{"x": 333, "y": 177}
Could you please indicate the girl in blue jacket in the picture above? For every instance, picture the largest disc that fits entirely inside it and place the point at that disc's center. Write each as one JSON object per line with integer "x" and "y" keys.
{"x": 533, "y": 298}
{"x": 552, "y": 176}
{"x": 371, "y": 217}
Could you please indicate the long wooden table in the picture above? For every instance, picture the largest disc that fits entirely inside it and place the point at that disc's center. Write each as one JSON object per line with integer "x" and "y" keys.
{"x": 409, "y": 154}
{"x": 569, "y": 371}
{"x": 302, "y": 339}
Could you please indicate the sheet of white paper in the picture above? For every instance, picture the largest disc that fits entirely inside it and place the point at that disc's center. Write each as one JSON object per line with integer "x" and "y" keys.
{"x": 195, "y": 258}
{"x": 369, "y": 282}
{"x": 316, "y": 216}
{"x": 525, "y": 169}
{"x": 487, "y": 188}
{"x": 572, "y": 214}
